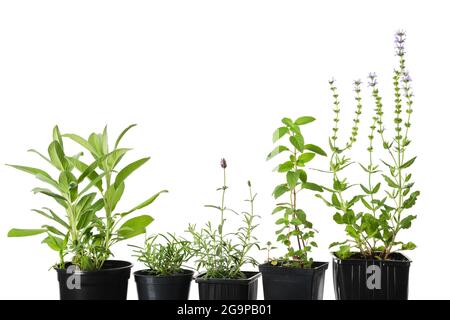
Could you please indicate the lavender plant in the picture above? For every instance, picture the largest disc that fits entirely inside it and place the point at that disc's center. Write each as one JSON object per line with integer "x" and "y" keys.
{"x": 294, "y": 223}
{"x": 223, "y": 254}
{"x": 374, "y": 230}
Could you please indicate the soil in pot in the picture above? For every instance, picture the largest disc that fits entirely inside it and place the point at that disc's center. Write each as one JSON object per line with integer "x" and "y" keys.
{"x": 173, "y": 287}
{"x": 286, "y": 283}
{"x": 358, "y": 278}
{"x": 108, "y": 283}
{"x": 229, "y": 289}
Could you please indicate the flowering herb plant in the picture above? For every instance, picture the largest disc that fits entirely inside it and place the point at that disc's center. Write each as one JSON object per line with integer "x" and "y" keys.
{"x": 81, "y": 231}
{"x": 294, "y": 223}
{"x": 223, "y": 254}
{"x": 374, "y": 229}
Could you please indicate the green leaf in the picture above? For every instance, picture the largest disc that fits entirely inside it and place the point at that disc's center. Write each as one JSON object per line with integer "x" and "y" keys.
{"x": 134, "y": 226}
{"x": 145, "y": 203}
{"x": 280, "y": 190}
{"x": 292, "y": 178}
{"x": 316, "y": 149}
{"x": 279, "y": 133}
{"x": 291, "y": 125}
{"x": 408, "y": 246}
{"x": 54, "y": 243}
{"x": 298, "y": 142}
{"x": 57, "y": 136}
{"x": 122, "y": 135}
{"x": 81, "y": 166}
{"x": 406, "y": 222}
{"x": 47, "y": 192}
{"x": 304, "y": 120}
{"x": 129, "y": 169}
{"x": 83, "y": 142}
{"x": 365, "y": 189}
{"x": 335, "y": 201}
{"x": 40, "y": 155}
{"x": 411, "y": 201}
{"x": 338, "y": 218}
{"x": 38, "y": 173}
{"x": 277, "y": 150}
{"x": 306, "y": 157}
{"x": 408, "y": 163}
{"x": 281, "y": 221}
{"x": 390, "y": 182}
{"x": 25, "y": 232}
{"x": 352, "y": 232}
{"x": 312, "y": 186}
{"x": 302, "y": 175}
{"x": 92, "y": 183}
{"x": 285, "y": 167}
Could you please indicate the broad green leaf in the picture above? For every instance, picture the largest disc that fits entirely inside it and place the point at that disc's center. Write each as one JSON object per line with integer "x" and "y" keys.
{"x": 57, "y": 156}
{"x": 390, "y": 182}
{"x": 335, "y": 201}
{"x": 92, "y": 183}
{"x": 408, "y": 163}
{"x": 61, "y": 200}
{"x": 298, "y": 142}
{"x": 25, "y": 232}
{"x": 352, "y": 232}
{"x": 129, "y": 169}
{"x": 316, "y": 149}
{"x": 83, "y": 142}
{"x": 408, "y": 246}
{"x": 53, "y": 216}
{"x": 57, "y": 136}
{"x": 304, "y": 120}
{"x": 54, "y": 243}
{"x": 134, "y": 226}
{"x": 285, "y": 167}
{"x": 292, "y": 179}
{"x": 38, "y": 173}
{"x": 302, "y": 175}
{"x": 280, "y": 190}
{"x": 53, "y": 230}
{"x": 406, "y": 222}
{"x": 279, "y": 133}
{"x": 145, "y": 203}
{"x": 306, "y": 157}
{"x": 123, "y": 134}
{"x": 312, "y": 186}
{"x": 338, "y": 218}
{"x": 277, "y": 150}
{"x": 411, "y": 201}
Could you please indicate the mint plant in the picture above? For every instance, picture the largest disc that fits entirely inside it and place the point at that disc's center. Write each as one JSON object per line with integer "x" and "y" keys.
{"x": 374, "y": 230}
{"x": 297, "y": 232}
{"x": 77, "y": 204}
{"x": 223, "y": 254}
{"x": 164, "y": 258}
{"x": 95, "y": 248}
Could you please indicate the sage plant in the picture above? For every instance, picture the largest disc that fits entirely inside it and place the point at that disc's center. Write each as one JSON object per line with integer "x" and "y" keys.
{"x": 297, "y": 232}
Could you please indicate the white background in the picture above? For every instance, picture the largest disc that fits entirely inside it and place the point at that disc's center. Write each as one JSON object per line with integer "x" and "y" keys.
{"x": 205, "y": 80}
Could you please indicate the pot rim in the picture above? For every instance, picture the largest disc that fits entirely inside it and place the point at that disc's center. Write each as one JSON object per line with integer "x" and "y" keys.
{"x": 406, "y": 261}
{"x": 141, "y": 274}
{"x": 253, "y": 276}
{"x": 126, "y": 265}
{"x": 319, "y": 265}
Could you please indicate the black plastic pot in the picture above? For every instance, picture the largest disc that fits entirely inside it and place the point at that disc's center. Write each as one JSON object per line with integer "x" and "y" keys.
{"x": 173, "y": 287}
{"x": 108, "y": 283}
{"x": 229, "y": 289}
{"x": 284, "y": 283}
{"x": 358, "y": 279}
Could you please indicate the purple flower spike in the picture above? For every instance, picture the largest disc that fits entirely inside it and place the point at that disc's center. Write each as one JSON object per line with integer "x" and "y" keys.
{"x": 331, "y": 81}
{"x": 406, "y": 77}
{"x": 400, "y": 38}
{"x": 223, "y": 163}
{"x": 372, "y": 79}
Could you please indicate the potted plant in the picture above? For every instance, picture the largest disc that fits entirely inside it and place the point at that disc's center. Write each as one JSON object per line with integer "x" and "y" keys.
{"x": 295, "y": 275}
{"x": 223, "y": 253}
{"x": 165, "y": 278}
{"x": 375, "y": 215}
{"x": 82, "y": 234}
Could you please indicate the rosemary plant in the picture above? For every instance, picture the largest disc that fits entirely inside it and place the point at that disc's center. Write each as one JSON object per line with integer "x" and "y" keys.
{"x": 224, "y": 254}
{"x": 294, "y": 223}
{"x": 164, "y": 259}
{"x": 373, "y": 232}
